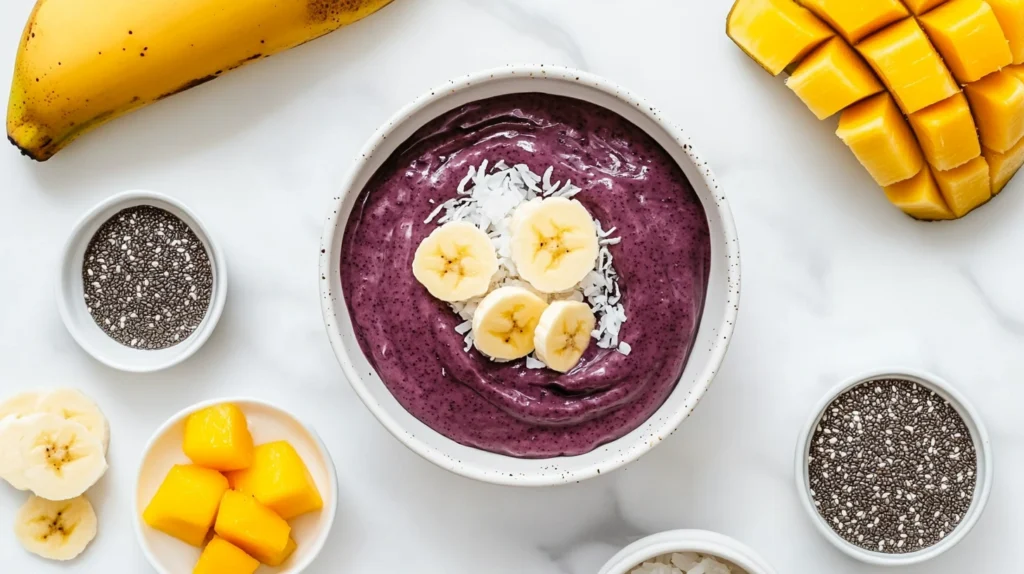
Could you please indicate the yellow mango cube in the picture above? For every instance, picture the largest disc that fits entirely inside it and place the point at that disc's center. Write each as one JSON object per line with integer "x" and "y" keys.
{"x": 833, "y": 78}
{"x": 968, "y": 36}
{"x": 284, "y": 555}
{"x": 279, "y": 479}
{"x": 186, "y": 503}
{"x": 218, "y": 437}
{"x": 909, "y": 66}
{"x": 857, "y": 19}
{"x": 775, "y": 33}
{"x": 1017, "y": 71}
{"x": 1011, "y": 19}
{"x": 1003, "y": 166}
{"x": 965, "y": 187}
{"x": 249, "y": 525}
{"x": 879, "y": 136}
{"x": 919, "y": 197}
{"x": 947, "y": 133}
{"x": 223, "y": 557}
{"x": 998, "y": 104}
{"x": 919, "y": 7}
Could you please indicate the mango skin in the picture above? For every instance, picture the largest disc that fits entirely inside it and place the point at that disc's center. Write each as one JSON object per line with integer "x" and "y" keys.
{"x": 82, "y": 63}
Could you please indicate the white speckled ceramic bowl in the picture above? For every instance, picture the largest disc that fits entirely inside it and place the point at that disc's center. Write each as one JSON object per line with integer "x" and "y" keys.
{"x": 717, "y": 321}
{"x": 700, "y": 541}
{"x": 267, "y": 423}
{"x": 71, "y": 299}
{"x": 981, "y": 445}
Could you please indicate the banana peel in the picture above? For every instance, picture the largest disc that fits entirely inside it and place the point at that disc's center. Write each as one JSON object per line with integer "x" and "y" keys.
{"x": 82, "y": 63}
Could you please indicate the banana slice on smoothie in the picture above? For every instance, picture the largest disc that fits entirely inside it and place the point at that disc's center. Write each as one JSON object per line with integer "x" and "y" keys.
{"x": 55, "y": 458}
{"x": 56, "y": 530}
{"x": 554, "y": 243}
{"x": 505, "y": 321}
{"x": 563, "y": 334}
{"x": 455, "y": 262}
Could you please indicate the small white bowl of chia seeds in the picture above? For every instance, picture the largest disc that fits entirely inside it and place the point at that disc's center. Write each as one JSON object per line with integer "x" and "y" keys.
{"x": 142, "y": 283}
{"x": 894, "y": 467}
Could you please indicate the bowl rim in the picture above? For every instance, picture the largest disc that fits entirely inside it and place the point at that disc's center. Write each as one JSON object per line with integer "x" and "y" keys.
{"x": 982, "y": 446}
{"x": 715, "y": 201}
{"x": 330, "y": 511}
{"x": 186, "y": 348}
{"x": 687, "y": 540}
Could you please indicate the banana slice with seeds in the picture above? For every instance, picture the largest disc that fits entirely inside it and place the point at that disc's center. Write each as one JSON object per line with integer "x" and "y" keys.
{"x": 563, "y": 334}
{"x": 504, "y": 323}
{"x": 73, "y": 405}
{"x": 554, "y": 243}
{"x": 56, "y": 530}
{"x": 55, "y": 458}
{"x": 455, "y": 262}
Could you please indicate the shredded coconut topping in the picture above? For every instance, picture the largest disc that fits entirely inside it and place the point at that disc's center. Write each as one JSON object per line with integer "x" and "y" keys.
{"x": 487, "y": 199}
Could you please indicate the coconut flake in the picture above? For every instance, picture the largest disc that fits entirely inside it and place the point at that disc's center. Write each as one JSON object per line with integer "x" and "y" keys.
{"x": 487, "y": 198}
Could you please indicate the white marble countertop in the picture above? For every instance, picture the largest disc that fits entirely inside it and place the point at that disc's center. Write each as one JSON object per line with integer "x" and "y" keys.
{"x": 835, "y": 282}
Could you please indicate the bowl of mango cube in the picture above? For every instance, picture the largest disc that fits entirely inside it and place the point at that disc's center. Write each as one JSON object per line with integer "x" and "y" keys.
{"x": 234, "y": 486}
{"x": 929, "y": 93}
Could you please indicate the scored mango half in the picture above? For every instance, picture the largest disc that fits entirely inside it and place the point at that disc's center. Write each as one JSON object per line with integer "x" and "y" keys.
{"x": 930, "y": 93}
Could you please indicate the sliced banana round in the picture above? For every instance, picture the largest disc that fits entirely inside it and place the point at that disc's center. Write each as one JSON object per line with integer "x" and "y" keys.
{"x": 73, "y": 405}
{"x": 55, "y": 458}
{"x": 455, "y": 262}
{"x": 563, "y": 334}
{"x": 554, "y": 243}
{"x": 56, "y": 530}
{"x": 504, "y": 323}
{"x": 20, "y": 404}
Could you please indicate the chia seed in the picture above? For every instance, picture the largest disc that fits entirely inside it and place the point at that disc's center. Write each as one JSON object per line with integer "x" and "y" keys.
{"x": 892, "y": 467}
{"x": 147, "y": 278}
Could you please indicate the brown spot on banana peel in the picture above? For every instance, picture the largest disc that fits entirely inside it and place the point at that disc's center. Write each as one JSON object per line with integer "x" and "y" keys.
{"x": 324, "y": 10}
{"x": 188, "y": 85}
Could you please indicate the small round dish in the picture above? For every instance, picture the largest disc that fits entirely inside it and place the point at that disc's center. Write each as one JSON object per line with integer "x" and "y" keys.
{"x": 981, "y": 444}
{"x": 700, "y": 541}
{"x": 71, "y": 296}
{"x": 711, "y": 341}
{"x": 267, "y": 423}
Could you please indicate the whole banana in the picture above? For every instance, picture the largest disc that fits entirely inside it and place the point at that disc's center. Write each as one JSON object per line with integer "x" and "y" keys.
{"x": 84, "y": 62}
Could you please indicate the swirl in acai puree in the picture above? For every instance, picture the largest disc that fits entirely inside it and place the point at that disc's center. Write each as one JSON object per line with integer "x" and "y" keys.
{"x": 628, "y": 182}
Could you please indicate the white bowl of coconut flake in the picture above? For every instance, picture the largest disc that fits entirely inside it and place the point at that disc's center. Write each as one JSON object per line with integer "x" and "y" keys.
{"x": 687, "y": 552}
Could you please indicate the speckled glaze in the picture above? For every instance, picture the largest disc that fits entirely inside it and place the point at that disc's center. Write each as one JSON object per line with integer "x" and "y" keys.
{"x": 716, "y": 323}
{"x": 629, "y": 182}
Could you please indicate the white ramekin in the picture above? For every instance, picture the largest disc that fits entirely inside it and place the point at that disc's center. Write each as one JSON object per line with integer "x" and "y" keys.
{"x": 267, "y": 423}
{"x": 981, "y": 445}
{"x": 717, "y": 321}
{"x": 700, "y": 541}
{"x": 71, "y": 299}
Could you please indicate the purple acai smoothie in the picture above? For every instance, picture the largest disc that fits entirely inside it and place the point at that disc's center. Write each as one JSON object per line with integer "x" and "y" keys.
{"x": 629, "y": 182}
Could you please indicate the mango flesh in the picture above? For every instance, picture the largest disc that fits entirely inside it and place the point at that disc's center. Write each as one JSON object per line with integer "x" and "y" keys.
{"x": 186, "y": 503}
{"x": 223, "y": 557}
{"x": 249, "y": 525}
{"x": 965, "y": 187}
{"x": 856, "y": 19}
{"x": 279, "y": 479}
{"x": 832, "y": 78}
{"x": 998, "y": 104}
{"x": 880, "y": 137}
{"x": 775, "y": 33}
{"x": 919, "y": 7}
{"x": 1010, "y": 14}
{"x": 919, "y": 197}
{"x": 1003, "y": 166}
{"x": 968, "y": 36}
{"x": 1017, "y": 71}
{"x": 947, "y": 133}
{"x": 908, "y": 64}
{"x": 218, "y": 437}
{"x": 284, "y": 555}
